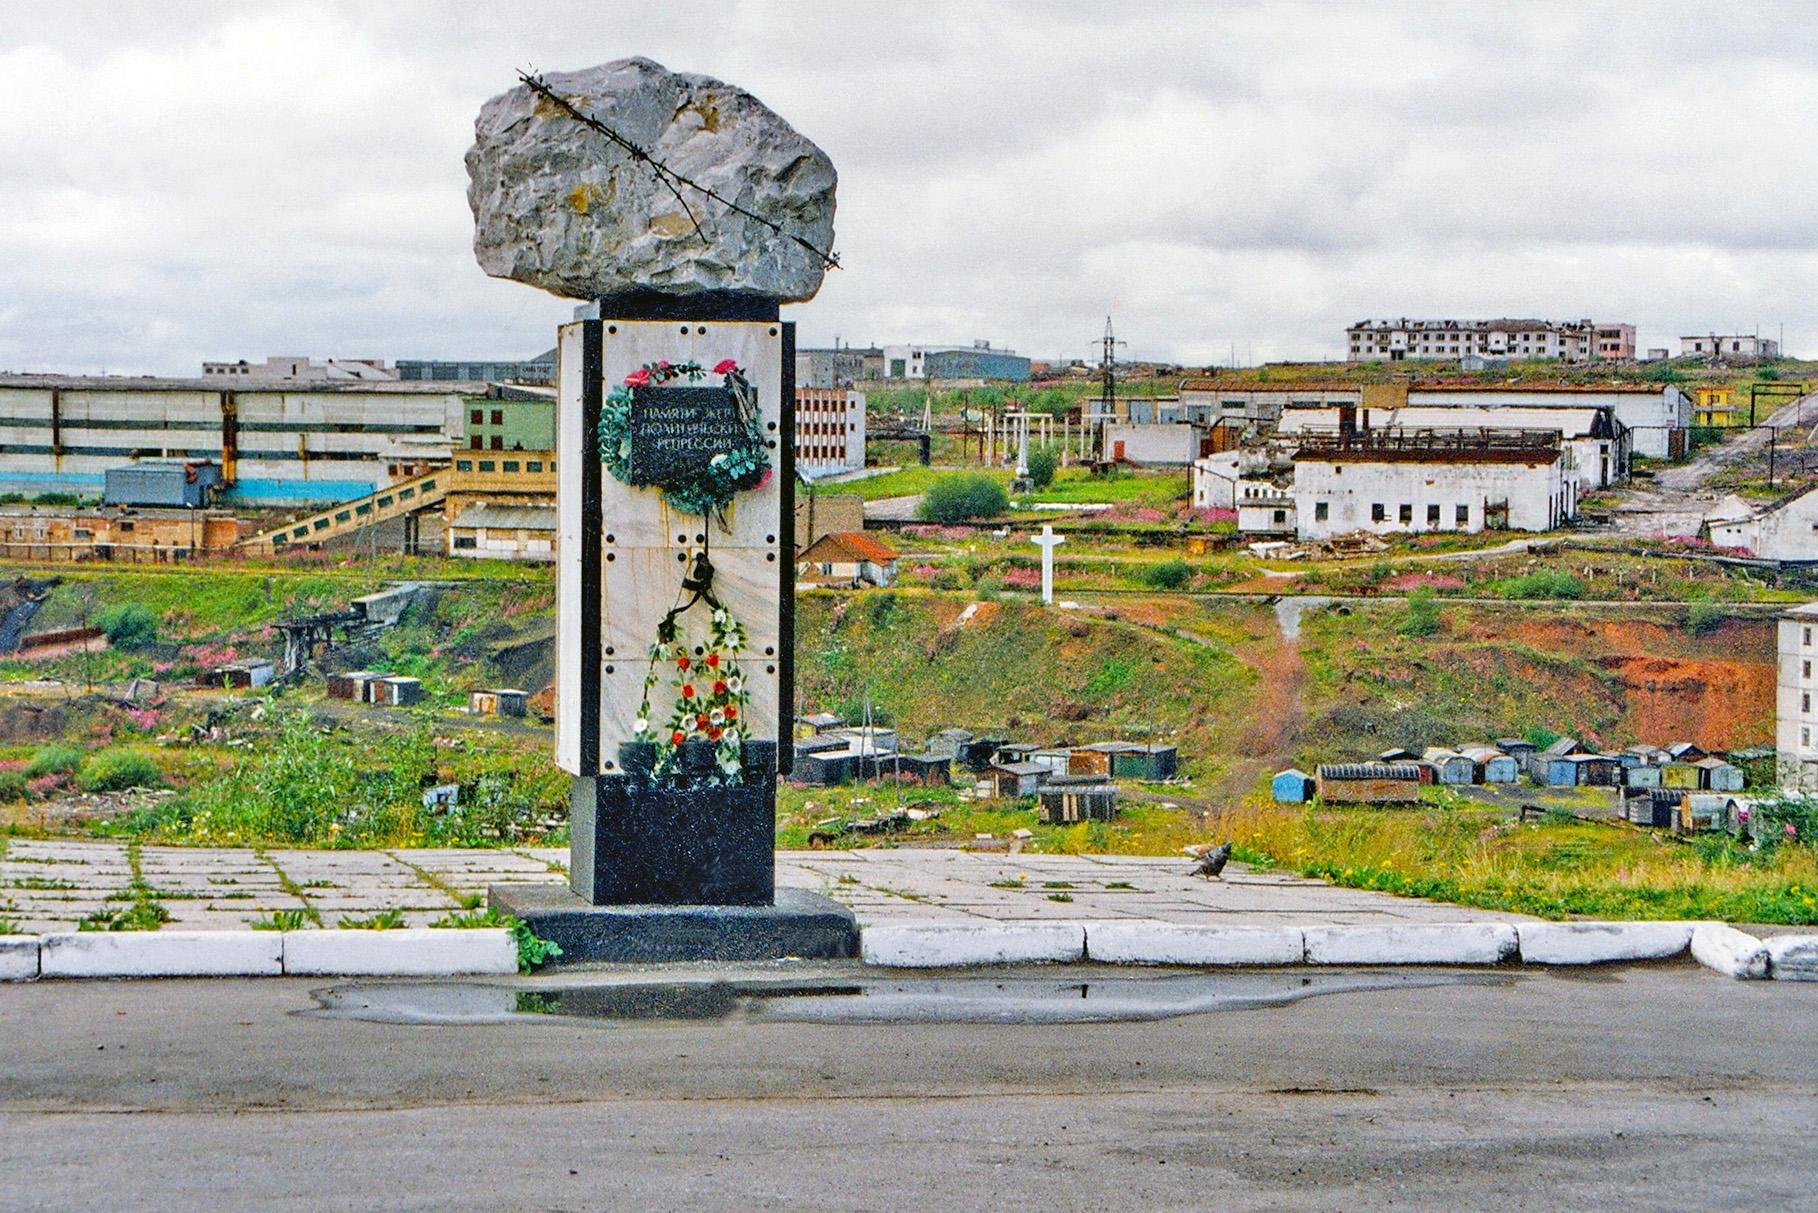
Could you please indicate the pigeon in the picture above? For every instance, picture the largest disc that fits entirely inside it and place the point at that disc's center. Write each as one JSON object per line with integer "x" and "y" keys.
{"x": 1213, "y": 862}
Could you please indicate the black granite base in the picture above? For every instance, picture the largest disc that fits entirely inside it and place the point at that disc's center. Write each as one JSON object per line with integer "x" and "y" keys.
{"x": 800, "y": 924}
{"x": 631, "y": 843}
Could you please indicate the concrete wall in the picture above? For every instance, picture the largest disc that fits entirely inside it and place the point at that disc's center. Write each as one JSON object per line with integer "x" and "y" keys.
{"x": 1539, "y": 497}
{"x": 1788, "y": 533}
{"x": 1163, "y": 445}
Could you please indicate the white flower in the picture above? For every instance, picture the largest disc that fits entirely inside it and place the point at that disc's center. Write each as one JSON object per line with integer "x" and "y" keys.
{"x": 719, "y": 615}
{"x": 641, "y": 725}
{"x": 717, "y": 716}
{"x": 735, "y": 684}
{"x": 730, "y": 736}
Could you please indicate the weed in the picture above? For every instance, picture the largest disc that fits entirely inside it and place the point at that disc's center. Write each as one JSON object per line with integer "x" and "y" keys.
{"x": 467, "y": 920}
{"x": 848, "y": 878}
{"x": 53, "y": 760}
{"x": 281, "y": 920}
{"x": 1015, "y": 882}
{"x": 118, "y": 770}
{"x": 1120, "y": 884}
{"x": 384, "y": 920}
{"x": 1060, "y": 897}
{"x": 141, "y": 915}
{"x": 1056, "y": 884}
{"x": 471, "y": 901}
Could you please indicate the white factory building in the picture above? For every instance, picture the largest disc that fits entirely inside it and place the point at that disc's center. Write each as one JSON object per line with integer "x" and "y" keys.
{"x": 1410, "y": 482}
{"x": 1796, "y": 723}
{"x": 1786, "y": 531}
{"x": 1657, "y": 417}
{"x": 278, "y": 443}
{"x": 829, "y": 431}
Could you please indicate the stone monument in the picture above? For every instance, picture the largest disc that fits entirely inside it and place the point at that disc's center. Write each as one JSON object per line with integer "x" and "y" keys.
{"x": 688, "y": 211}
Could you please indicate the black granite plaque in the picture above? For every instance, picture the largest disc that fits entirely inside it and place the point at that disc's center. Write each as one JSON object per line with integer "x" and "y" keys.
{"x": 675, "y": 431}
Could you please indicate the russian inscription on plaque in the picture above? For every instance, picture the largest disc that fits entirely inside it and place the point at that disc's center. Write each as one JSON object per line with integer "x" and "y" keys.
{"x": 677, "y": 431}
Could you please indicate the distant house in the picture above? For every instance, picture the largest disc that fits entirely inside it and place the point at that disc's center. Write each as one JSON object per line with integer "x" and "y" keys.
{"x": 847, "y": 560}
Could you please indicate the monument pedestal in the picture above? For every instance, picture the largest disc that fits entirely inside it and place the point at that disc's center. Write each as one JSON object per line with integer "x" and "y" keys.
{"x": 800, "y": 924}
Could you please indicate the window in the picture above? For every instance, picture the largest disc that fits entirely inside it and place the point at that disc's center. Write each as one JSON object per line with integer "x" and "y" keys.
{"x": 1808, "y": 636}
{"x": 463, "y": 465}
{"x": 487, "y": 465}
{"x": 1407, "y": 512}
{"x": 1805, "y": 737}
{"x": 1281, "y": 516}
{"x": 534, "y": 465}
{"x": 1320, "y": 510}
{"x": 476, "y": 443}
{"x": 1433, "y": 515}
{"x": 1806, "y": 668}
{"x": 1805, "y": 701}
{"x": 511, "y": 465}
{"x": 1378, "y": 511}
{"x": 498, "y": 442}
{"x": 478, "y": 416}
{"x": 465, "y": 543}
{"x": 498, "y": 416}
{"x": 1462, "y": 515}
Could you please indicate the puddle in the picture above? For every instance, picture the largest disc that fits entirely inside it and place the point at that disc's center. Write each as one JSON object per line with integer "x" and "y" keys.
{"x": 865, "y": 999}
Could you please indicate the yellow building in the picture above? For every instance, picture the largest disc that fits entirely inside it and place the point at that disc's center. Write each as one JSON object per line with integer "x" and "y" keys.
{"x": 1714, "y": 406}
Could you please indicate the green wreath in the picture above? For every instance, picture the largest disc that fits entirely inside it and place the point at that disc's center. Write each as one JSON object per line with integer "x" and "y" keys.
{"x": 745, "y": 466}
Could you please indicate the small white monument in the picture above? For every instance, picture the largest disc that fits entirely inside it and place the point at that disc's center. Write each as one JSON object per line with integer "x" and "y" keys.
{"x": 1048, "y": 541}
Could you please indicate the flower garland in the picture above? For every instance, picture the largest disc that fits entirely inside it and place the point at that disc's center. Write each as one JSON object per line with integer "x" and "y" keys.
{"x": 711, "y": 696}
{"x": 745, "y": 466}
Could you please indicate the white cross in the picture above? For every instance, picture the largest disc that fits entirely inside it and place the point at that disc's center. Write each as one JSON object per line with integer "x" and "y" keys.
{"x": 1047, "y": 541}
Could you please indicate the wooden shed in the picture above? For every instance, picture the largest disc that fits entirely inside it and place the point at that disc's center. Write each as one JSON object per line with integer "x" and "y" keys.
{"x": 1013, "y": 779}
{"x": 351, "y": 685}
{"x": 949, "y": 742}
{"x": 1685, "y": 751}
{"x": 397, "y": 692}
{"x": 978, "y": 754}
{"x": 1096, "y": 759}
{"x": 503, "y": 701}
{"x": 1062, "y": 802}
{"x": 1155, "y": 763}
{"x": 1293, "y": 787}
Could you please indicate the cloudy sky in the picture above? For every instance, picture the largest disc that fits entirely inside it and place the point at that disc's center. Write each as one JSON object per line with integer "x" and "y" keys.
{"x": 181, "y": 181}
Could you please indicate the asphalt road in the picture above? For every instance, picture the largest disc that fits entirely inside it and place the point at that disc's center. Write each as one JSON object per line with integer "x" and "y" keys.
{"x": 1650, "y": 1088}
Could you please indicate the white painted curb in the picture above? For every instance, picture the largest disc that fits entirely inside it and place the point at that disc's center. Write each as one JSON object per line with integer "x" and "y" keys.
{"x": 1729, "y": 951}
{"x": 1151, "y": 942}
{"x": 416, "y": 952}
{"x": 1586, "y": 943}
{"x": 1457, "y": 943}
{"x": 933, "y": 945}
{"x": 1793, "y": 957}
{"x": 18, "y": 957}
{"x": 162, "y": 954}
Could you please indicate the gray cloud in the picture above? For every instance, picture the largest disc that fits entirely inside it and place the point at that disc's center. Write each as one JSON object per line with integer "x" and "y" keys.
{"x": 188, "y": 180}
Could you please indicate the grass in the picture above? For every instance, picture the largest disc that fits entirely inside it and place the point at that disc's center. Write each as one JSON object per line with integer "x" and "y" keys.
{"x": 1555, "y": 868}
{"x": 283, "y": 920}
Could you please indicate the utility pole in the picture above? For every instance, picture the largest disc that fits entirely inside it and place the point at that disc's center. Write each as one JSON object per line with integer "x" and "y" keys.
{"x": 1107, "y": 404}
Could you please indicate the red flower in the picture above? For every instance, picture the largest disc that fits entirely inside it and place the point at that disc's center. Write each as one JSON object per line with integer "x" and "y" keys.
{"x": 663, "y": 362}
{"x": 677, "y": 737}
{"x": 719, "y": 688}
{"x": 687, "y": 690}
{"x": 764, "y": 479}
{"x": 713, "y": 661}
{"x": 713, "y": 734}
{"x": 725, "y": 367}
{"x": 700, "y": 722}
{"x": 732, "y": 713}
{"x": 681, "y": 663}
{"x": 637, "y": 378}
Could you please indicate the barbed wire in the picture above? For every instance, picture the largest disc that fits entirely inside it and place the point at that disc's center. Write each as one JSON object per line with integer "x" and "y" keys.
{"x": 669, "y": 176}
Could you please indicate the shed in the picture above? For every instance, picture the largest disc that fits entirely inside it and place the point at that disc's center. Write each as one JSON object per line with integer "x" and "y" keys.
{"x": 1056, "y": 758}
{"x": 1707, "y": 811}
{"x": 1596, "y": 770}
{"x": 820, "y": 722}
{"x": 1492, "y": 765}
{"x": 1449, "y": 766}
{"x": 1682, "y": 776}
{"x": 1095, "y": 759}
{"x": 397, "y": 692}
{"x": 501, "y": 702}
{"x": 1397, "y": 754}
{"x": 978, "y": 754}
{"x": 1685, "y": 751}
{"x": 1064, "y": 802}
{"x": 1293, "y": 787}
{"x": 185, "y": 484}
{"x": 949, "y": 742}
{"x": 1647, "y": 755}
{"x": 822, "y": 768}
{"x": 1011, "y": 779}
{"x": 1155, "y": 763}
{"x": 351, "y": 685}
{"x": 1652, "y": 809}
{"x": 1013, "y": 751}
{"x": 1646, "y": 776}
{"x": 1369, "y": 783}
{"x": 256, "y": 672}
{"x": 1554, "y": 771}
{"x": 1720, "y": 776}
{"x": 818, "y": 745}
{"x": 1516, "y": 747}
{"x": 927, "y": 769}
{"x": 867, "y": 739}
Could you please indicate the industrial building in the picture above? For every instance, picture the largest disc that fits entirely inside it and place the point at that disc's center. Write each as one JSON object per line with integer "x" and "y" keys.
{"x": 1210, "y": 401}
{"x": 1729, "y": 345}
{"x": 1413, "y": 481}
{"x": 841, "y": 366}
{"x": 1565, "y": 341}
{"x": 1786, "y": 531}
{"x": 156, "y": 536}
{"x": 540, "y": 369}
{"x": 276, "y": 443}
{"x": 976, "y": 361}
{"x": 1796, "y": 721}
{"x": 297, "y": 367}
{"x": 1657, "y": 417}
{"x": 829, "y": 431}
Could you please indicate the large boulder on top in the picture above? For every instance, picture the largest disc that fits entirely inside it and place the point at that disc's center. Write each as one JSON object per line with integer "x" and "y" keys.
{"x": 561, "y": 206}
